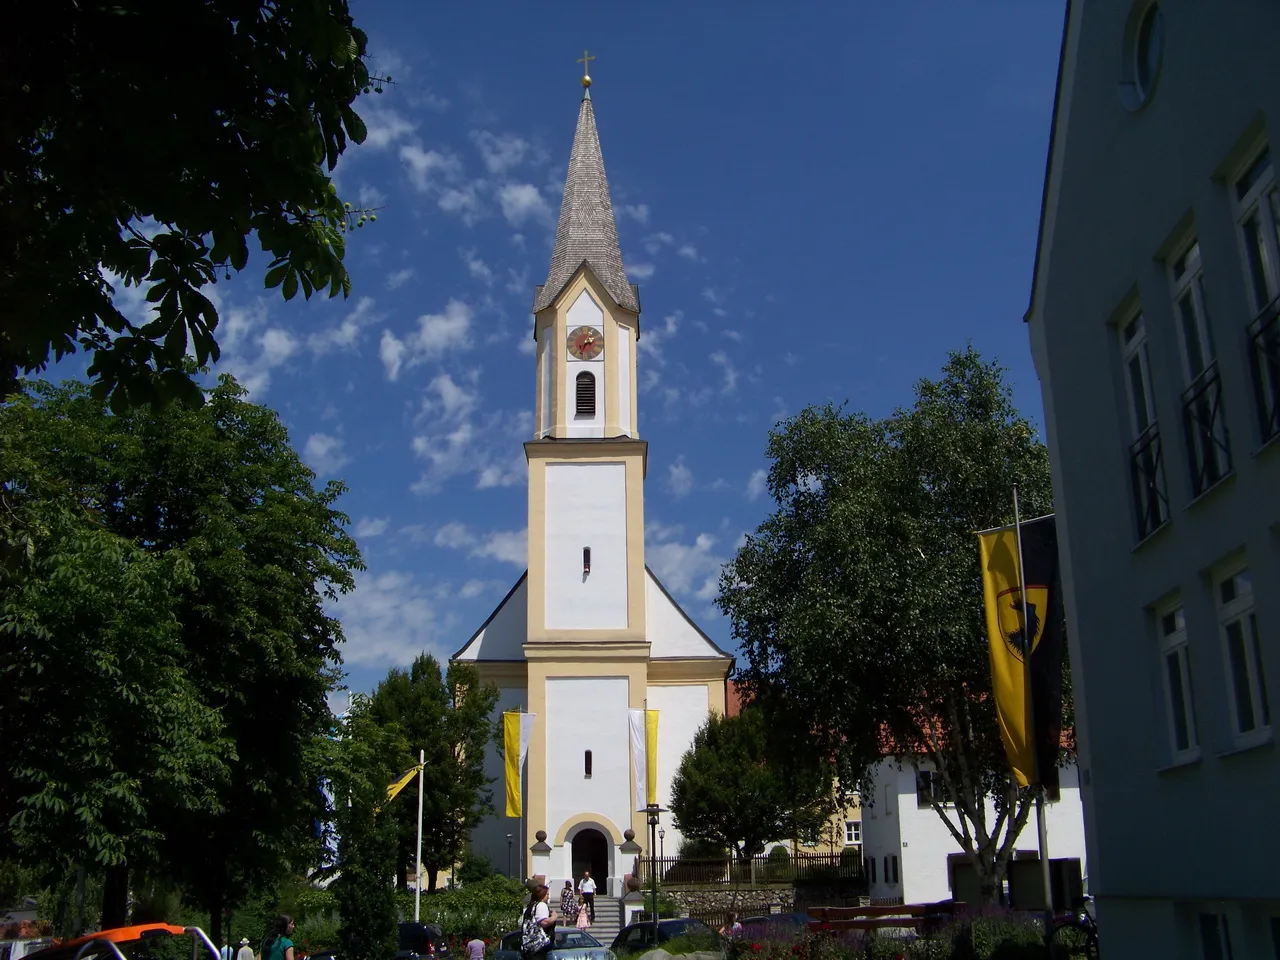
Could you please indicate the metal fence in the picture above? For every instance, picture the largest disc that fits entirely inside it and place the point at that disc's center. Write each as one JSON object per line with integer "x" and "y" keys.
{"x": 758, "y": 871}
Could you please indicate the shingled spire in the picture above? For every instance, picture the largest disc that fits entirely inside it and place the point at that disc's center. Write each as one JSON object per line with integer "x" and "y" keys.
{"x": 587, "y": 232}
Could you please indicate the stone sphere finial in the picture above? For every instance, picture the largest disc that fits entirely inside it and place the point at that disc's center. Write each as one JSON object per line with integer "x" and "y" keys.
{"x": 628, "y": 834}
{"x": 542, "y": 836}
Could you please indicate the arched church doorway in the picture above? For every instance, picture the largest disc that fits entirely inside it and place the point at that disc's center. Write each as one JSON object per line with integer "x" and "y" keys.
{"x": 590, "y": 851}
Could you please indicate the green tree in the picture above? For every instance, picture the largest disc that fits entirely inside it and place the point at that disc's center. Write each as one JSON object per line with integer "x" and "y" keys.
{"x": 158, "y": 169}
{"x": 217, "y": 493}
{"x": 858, "y": 603}
{"x": 365, "y": 762}
{"x": 729, "y": 791}
{"x": 446, "y": 714}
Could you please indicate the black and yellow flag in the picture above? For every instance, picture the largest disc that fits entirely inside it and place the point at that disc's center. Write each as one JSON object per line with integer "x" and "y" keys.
{"x": 1026, "y": 664}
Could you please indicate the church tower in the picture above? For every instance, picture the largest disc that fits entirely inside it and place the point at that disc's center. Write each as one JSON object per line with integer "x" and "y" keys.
{"x": 589, "y": 633}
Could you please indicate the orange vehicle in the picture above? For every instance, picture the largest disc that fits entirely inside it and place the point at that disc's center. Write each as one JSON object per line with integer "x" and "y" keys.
{"x": 109, "y": 943}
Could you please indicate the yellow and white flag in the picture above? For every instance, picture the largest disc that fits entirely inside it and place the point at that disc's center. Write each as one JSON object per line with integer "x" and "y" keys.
{"x": 643, "y": 727}
{"x": 401, "y": 782}
{"x": 517, "y": 730}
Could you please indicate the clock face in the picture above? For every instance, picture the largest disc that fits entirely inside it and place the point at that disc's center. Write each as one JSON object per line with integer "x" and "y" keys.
{"x": 585, "y": 343}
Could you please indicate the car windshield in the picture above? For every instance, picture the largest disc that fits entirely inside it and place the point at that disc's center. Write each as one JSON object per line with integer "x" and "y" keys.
{"x": 678, "y": 928}
{"x": 571, "y": 939}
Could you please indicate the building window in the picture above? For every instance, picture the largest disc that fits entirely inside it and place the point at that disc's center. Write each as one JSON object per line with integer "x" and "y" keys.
{"x": 586, "y": 764}
{"x": 1247, "y": 687}
{"x": 1215, "y": 937}
{"x": 1176, "y": 668}
{"x": 871, "y": 868}
{"x": 930, "y": 788}
{"x": 586, "y": 396}
{"x": 1143, "y": 51}
{"x": 893, "y": 862}
{"x": 852, "y": 832}
{"x": 1258, "y": 213}
{"x": 1208, "y": 449}
{"x": 1146, "y": 463}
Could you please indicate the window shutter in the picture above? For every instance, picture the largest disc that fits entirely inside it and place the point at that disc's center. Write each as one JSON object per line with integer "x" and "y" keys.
{"x": 586, "y": 395}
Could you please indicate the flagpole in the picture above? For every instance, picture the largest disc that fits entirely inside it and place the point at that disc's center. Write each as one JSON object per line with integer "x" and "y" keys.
{"x": 417, "y": 884}
{"x": 1042, "y": 828}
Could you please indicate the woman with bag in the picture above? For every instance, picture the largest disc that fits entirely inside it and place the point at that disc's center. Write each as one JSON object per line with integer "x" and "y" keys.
{"x": 537, "y": 932}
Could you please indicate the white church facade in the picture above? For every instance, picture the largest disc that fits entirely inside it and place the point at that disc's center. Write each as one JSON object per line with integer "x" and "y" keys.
{"x": 588, "y": 633}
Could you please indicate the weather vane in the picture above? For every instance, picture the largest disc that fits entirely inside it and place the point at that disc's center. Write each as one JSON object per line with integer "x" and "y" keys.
{"x": 585, "y": 59}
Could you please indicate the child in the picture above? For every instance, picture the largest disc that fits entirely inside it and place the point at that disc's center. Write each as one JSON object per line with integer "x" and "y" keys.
{"x": 583, "y": 920}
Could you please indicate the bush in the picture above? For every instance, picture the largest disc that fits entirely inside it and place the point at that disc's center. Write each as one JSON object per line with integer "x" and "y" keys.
{"x": 694, "y": 943}
{"x": 473, "y": 869}
{"x": 485, "y": 908}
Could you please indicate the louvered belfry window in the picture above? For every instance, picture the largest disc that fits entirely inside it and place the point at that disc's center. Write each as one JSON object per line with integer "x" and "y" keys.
{"x": 586, "y": 396}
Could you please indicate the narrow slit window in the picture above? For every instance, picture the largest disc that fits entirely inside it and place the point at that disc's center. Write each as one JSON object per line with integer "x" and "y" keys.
{"x": 586, "y": 395}
{"x": 586, "y": 764}
{"x": 586, "y": 560}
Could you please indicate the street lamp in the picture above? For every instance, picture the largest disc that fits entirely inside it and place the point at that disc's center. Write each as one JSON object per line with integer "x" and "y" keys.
{"x": 662, "y": 850}
{"x": 509, "y": 867}
{"x": 653, "y": 810}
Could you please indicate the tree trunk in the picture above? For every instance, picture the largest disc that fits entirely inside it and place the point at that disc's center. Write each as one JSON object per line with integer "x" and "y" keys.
{"x": 115, "y": 897}
{"x": 432, "y": 870}
{"x": 215, "y": 920}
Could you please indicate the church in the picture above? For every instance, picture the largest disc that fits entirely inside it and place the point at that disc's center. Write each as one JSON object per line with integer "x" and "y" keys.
{"x": 588, "y": 633}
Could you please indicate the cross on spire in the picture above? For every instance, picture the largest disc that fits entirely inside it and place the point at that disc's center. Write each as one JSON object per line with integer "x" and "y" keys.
{"x": 585, "y": 60}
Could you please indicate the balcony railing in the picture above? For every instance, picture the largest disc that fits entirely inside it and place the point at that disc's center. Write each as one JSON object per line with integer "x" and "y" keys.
{"x": 1264, "y": 358}
{"x": 1146, "y": 461}
{"x": 1208, "y": 447}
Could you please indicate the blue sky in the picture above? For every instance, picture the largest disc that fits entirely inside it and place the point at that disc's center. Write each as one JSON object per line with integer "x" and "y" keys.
{"x": 818, "y": 202}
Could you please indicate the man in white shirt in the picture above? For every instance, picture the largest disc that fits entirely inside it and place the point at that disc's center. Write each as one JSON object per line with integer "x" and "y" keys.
{"x": 245, "y": 952}
{"x": 587, "y": 887}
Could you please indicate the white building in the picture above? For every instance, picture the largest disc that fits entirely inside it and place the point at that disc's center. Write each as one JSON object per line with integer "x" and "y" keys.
{"x": 1155, "y": 328}
{"x": 588, "y": 633}
{"x": 912, "y": 857}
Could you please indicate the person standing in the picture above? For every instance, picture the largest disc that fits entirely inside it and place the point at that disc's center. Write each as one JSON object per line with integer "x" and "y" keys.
{"x": 279, "y": 945}
{"x": 225, "y": 952}
{"x": 537, "y": 913}
{"x": 568, "y": 902}
{"x": 475, "y": 949}
{"x": 587, "y": 887}
{"x": 245, "y": 952}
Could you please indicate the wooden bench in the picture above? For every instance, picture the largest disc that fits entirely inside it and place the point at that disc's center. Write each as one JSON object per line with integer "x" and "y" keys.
{"x": 923, "y": 918}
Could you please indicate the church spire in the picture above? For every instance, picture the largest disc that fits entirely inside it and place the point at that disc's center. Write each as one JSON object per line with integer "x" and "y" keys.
{"x": 587, "y": 231}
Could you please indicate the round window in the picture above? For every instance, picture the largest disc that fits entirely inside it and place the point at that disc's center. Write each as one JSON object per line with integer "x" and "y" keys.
{"x": 1143, "y": 50}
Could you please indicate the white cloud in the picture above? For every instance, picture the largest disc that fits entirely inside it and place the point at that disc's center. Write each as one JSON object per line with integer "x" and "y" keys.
{"x": 385, "y": 127}
{"x": 655, "y": 336}
{"x": 445, "y": 398}
{"x": 721, "y": 359}
{"x": 756, "y": 484}
{"x": 640, "y": 271}
{"x": 391, "y": 350}
{"x": 388, "y": 620}
{"x": 463, "y": 200}
{"x": 639, "y": 212}
{"x": 679, "y": 478}
{"x": 372, "y": 526}
{"x": 324, "y": 452}
{"x": 477, "y": 267}
{"x": 398, "y": 279}
{"x": 656, "y": 241}
{"x": 507, "y": 546}
{"x": 689, "y": 252}
{"x": 371, "y": 196}
{"x": 427, "y": 167}
{"x": 522, "y": 201}
{"x": 716, "y": 299}
{"x": 345, "y": 334}
{"x": 437, "y": 333}
{"x": 251, "y": 348}
{"x": 458, "y": 437}
{"x": 473, "y": 588}
{"x": 688, "y": 569}
{"x": 500, "y": 153}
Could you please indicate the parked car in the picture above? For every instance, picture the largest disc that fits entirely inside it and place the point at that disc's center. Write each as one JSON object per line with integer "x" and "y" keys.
{"x": 782, "y": 923}
{"x": 421, "y": 940}
{"x": 570, "y": 944}
{"x": 639, "y": 936}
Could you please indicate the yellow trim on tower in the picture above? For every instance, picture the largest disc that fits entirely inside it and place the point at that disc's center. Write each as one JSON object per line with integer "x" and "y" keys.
{"x": 595, "y": 819}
